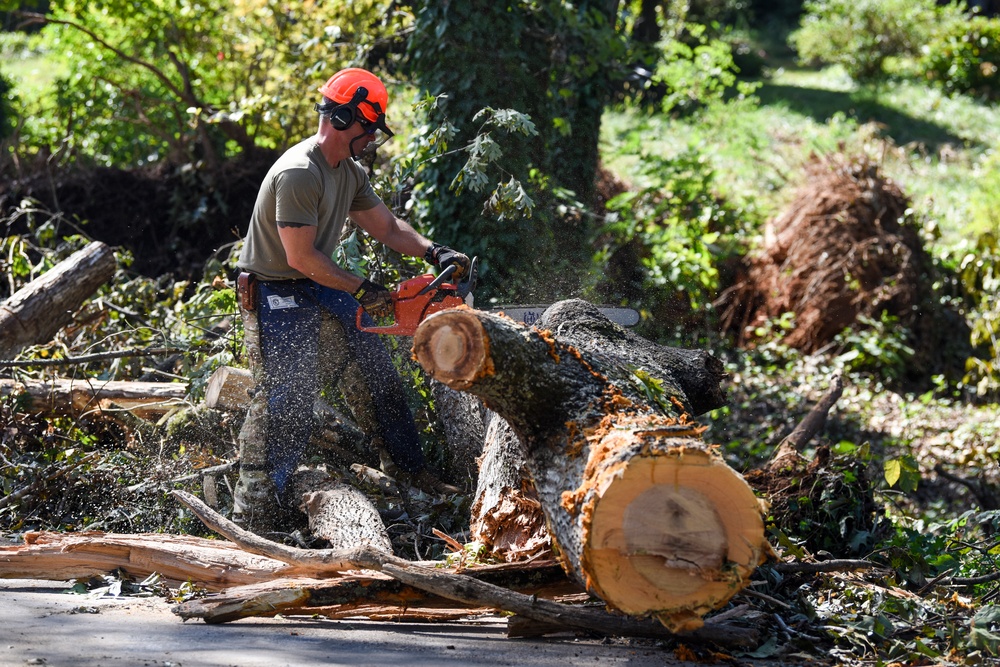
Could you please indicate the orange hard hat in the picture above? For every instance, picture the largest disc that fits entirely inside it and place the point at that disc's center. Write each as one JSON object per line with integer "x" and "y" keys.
{"x": 344, "y": 85}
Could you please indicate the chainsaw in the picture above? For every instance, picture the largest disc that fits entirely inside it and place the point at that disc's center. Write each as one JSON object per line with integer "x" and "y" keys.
{"x": 416, "y": 299}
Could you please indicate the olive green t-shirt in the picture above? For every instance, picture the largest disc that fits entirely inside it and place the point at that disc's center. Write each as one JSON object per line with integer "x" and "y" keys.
{"x": 301, "y": 187}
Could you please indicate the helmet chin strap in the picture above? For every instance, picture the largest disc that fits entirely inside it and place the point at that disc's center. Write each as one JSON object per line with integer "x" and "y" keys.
{"x": 354, "y": 153}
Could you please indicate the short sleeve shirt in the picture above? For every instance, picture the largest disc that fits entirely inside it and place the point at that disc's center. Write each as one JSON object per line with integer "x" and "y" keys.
{"x": 302, "y": 188}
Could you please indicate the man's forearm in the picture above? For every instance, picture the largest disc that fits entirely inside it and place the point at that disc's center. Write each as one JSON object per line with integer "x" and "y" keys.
{"x": 323, "y": 270}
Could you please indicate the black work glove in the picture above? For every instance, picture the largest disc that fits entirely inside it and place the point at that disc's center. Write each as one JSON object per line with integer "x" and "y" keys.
{"x": 442, "y": 256}
{"x": 375, "y": 299}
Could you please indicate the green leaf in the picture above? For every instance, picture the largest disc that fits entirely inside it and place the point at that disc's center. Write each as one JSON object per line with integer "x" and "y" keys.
{"x": 893, "y": 469}
{"x": 982, "y": 628}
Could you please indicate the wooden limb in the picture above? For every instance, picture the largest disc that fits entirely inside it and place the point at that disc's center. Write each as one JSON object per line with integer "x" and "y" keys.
{"x": 372, "y": 594}
{"x": 89, "y": 358}
{"x": 212, "y": 564}
{"x": 812, "y": 423}
{"x": 62, "y": 396}
{"x": 457, "y": 587}
{"x": 60, "y": 471}
{"x": 41, "y": 308}
{"x": 836, "y": 565}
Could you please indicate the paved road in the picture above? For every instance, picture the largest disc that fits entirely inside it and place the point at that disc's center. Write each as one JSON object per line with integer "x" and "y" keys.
{"x": 40, "y": 624}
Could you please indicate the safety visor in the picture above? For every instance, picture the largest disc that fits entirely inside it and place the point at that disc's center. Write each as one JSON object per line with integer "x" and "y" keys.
{"x": 377, "y": 127}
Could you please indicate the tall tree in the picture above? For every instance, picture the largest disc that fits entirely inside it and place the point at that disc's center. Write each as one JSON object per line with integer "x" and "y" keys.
{"x": 551, "y": 60}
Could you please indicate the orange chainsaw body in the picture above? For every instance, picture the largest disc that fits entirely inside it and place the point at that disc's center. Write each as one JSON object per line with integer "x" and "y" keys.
{"x": 413, "y": 301}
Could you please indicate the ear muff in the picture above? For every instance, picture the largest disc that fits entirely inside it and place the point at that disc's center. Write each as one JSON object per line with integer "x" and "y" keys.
{"x": 342, "y": 116}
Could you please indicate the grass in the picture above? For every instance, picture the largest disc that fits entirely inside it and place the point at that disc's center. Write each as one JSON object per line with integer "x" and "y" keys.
{"x": 32, "y": 72}
{"x": 934, "y": 146}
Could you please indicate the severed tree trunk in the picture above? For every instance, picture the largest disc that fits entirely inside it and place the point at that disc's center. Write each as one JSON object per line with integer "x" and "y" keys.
{"x": 463, "y": 419}
{"x": 642, "y": 512}
{"x": 38, "y": 310}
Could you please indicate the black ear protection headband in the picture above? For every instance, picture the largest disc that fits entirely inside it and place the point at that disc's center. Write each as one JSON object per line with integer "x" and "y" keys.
{"x": 342, "y": 116}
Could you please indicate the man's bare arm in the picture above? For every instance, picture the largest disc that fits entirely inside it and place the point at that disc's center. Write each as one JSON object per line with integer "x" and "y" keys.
{"x": 391, "y": 231}
{"x": 300, "y": 250}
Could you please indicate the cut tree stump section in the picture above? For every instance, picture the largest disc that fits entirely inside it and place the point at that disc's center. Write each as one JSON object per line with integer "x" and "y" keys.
{"x": 34, "y": 313}
{"x": 228, "y": 389}
{"x": 643, "y": 513}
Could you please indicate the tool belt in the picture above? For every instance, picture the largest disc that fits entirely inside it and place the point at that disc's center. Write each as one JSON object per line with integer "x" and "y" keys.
{"x": 247, "y": 292}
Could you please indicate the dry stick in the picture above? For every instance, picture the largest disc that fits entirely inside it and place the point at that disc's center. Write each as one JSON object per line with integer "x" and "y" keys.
{"x": 813, "y": 422}
{"x": 87, "y": 358}
{"x": 836, "y": 565}
{"x": 456, "y": 587}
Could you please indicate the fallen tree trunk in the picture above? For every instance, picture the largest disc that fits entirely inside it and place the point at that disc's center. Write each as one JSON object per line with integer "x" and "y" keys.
{"x": 643, "y": 513}
{"x": 34, "y": 313}
{"x": 75, "y": 397}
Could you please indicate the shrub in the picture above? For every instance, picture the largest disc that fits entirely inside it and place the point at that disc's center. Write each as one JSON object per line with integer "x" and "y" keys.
{"x": 980, "y": 274}
{"x": 964, "y": 57}
{"x": 662, "y": 246}
{"x": 861, "y": 35}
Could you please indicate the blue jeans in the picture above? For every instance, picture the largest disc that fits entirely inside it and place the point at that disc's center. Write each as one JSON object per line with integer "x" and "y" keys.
{"x": 308, "y": 338}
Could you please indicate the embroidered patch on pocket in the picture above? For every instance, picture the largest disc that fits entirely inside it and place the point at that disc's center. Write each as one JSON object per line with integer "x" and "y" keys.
{"x": 279, "y": 302}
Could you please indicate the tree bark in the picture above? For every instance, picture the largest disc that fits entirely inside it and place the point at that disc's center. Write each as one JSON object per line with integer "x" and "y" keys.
{"x": 64, "y": 396}
{"x": 38, "y": 310}
{"x": 643, "y": 513}
{"x": 340, "y": 514}
{"x": 463, "y": 419}
{"x": 507, "y": 518}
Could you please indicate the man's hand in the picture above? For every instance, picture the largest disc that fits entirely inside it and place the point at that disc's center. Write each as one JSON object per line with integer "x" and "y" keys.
{"x": 443, "y": 257}
{"x": 375, "y": 299}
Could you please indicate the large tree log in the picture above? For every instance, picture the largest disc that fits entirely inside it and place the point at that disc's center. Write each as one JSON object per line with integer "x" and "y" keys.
{"x": 38, "y": 310}
{"x": 506, "y": 515}
{"x": 64, "y": 396}
{"x": 643, "y": 513}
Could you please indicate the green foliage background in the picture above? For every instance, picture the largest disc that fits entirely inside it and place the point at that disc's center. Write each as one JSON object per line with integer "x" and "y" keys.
{"x": 505, "y": 111}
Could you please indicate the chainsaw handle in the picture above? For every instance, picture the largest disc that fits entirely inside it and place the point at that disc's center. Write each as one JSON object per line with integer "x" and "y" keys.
{"x": 441, "y": 277}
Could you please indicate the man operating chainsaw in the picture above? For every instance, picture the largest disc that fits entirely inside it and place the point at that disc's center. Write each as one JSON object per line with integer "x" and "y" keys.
{"x": 299, "y": 307}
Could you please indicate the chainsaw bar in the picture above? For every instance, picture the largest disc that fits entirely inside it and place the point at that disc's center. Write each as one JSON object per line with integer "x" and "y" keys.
{"x": 529, "y": 314}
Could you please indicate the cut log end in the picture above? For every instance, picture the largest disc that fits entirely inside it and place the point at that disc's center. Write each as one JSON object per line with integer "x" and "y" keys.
{"x": 672, "y": 533}
{"x": 453, "y": 347}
